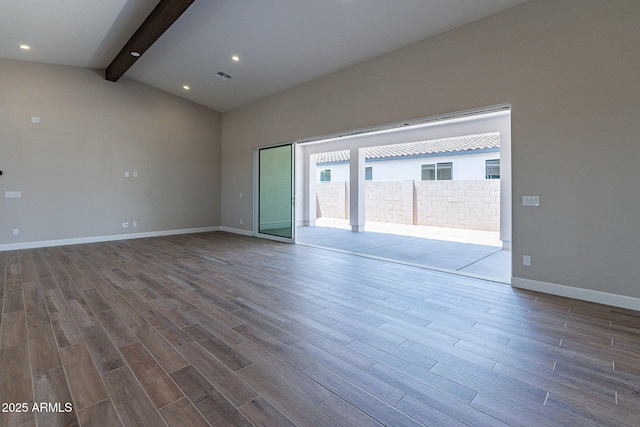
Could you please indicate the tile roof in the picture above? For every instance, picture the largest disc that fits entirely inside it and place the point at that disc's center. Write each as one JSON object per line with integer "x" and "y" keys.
{"x": 423, "y": 148}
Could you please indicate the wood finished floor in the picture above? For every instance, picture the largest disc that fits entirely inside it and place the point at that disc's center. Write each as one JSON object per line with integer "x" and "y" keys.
{"x": 217, "y": 329}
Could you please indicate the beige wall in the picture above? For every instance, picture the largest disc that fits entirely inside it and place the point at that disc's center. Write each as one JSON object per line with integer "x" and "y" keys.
{"x": 570, "y": 70}
{"x": 70, "y": 167}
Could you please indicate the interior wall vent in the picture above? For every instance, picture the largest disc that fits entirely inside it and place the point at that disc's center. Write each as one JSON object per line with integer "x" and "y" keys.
{"x": 223, "y": 75}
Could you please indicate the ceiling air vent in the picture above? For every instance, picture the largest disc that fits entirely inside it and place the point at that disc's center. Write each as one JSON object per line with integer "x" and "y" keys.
{"x": 222, "y": 75}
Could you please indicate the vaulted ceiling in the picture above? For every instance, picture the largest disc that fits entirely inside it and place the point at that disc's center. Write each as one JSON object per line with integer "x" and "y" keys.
{"x": 280, "y": 44}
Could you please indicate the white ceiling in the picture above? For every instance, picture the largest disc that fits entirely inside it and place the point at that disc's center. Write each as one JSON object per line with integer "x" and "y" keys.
{"x": 281, "y": 43}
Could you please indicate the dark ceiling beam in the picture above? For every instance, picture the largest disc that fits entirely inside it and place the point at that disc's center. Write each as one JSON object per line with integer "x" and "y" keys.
{"x": 158, "y": 21}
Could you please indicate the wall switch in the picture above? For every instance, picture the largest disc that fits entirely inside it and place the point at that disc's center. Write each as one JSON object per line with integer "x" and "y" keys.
{"x": 12, "y": 195}
{"x": 530, "y": 200}
{"x": 134, "y": 224}
{"x": 35, "y": 119}
{"x": 240, "y": 222}
{"x": 526, "y": 260}
{"x": 16, "y": 231}
{"x": 241, "y": 195}
{"x": 135, "y": 174}
{"x": 126, "y": 174}
{"x": 125, "y": 225}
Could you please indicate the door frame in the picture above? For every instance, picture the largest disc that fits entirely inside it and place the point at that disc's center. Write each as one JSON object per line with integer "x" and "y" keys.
{"x": 256, "y": 194}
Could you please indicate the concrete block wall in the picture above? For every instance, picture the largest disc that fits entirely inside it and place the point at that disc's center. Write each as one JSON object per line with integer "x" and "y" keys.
{"x": 332, "y": 200}
{"x": 469, "y": 204}
{"x": 389, "y": 202}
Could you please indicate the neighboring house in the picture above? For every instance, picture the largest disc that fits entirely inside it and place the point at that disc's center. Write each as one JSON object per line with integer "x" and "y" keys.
{"x": 452, "y": 182}
{"x": 470, "y": 157}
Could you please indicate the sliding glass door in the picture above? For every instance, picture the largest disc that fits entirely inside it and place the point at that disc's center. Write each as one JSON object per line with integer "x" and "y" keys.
{"x": 275, "y": 207}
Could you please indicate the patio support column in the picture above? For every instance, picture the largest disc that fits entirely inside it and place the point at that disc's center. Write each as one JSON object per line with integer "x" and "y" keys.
{"x": 357, "y": 190}
{"x": 310, "y": 211}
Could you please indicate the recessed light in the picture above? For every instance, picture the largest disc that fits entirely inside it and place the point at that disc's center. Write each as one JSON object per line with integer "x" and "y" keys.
{"x": 25, "y": 47}
{"x": 134, "y": 53}
{"x": 235, "y": 58}
{"x": 185, "y": 87}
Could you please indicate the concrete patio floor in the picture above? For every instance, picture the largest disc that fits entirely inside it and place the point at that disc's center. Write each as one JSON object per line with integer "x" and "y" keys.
{"x": 487, "y": 261}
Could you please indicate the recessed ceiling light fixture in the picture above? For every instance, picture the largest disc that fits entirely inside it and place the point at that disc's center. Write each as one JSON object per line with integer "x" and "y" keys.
{"x": 235, "y": 58}
{"x": 134, "y": 53}
{"x": 25, "y": 47}
{"x": 185, "y": 87}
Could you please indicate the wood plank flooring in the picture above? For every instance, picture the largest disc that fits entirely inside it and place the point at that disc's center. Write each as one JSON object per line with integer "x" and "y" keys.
{"x": 224, "y": 330}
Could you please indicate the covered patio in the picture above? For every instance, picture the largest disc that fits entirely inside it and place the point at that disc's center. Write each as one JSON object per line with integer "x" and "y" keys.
{"x": 466, "y": 252}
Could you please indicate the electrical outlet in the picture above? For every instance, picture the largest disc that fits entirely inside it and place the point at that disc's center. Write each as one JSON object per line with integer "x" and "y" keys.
{"x": 16, "y": 231}
{"x": 240, "y": 222}
{"x": 125, "y": 225}
{"x": 526, "y": 260}
{"x": 126, "y": 174}
{"x": 135, "y": 174}
{"x": 134, "y": 224}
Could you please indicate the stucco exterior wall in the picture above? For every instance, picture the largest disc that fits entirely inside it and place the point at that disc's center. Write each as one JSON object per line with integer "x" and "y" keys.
{"x": 465, "y": 166}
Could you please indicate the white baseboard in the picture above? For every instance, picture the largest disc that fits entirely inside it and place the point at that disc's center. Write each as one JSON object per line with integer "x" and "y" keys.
{"x": 237, "y": 231}
{"x": 599, "y": 297}
{"x": 96, "y": 239}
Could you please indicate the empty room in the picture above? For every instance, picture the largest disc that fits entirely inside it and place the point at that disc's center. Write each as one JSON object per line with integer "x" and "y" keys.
{"x": 155, "y": 161}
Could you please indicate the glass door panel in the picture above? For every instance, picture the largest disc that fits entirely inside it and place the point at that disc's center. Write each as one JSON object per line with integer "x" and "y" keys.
{"x": 275, "y": 192}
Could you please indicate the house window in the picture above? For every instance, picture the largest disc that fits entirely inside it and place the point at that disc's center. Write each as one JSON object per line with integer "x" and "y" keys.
{"x": 368, "y": 173}
{"x": 325, "y": 175}
{"x": 492, "y": 169}
{"x": 439, "y": 171}
{"x": 444, "y": 171}
{"x": 429, "y": 172}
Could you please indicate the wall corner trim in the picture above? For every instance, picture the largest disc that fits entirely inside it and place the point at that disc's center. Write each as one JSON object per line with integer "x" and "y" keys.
{"x": 599, "y": 297}
{"x": 96, "y": 239}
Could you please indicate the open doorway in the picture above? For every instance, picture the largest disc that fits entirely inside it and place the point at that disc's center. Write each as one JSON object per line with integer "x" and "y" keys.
{"x": 436, "y": 194}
